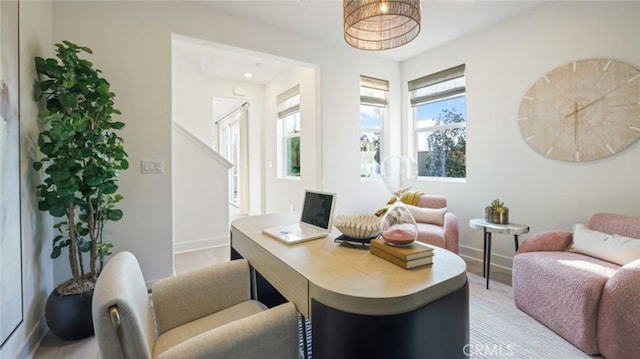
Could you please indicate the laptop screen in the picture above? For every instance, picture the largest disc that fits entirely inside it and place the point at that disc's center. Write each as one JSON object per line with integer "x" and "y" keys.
{"x": 317, "y": 209}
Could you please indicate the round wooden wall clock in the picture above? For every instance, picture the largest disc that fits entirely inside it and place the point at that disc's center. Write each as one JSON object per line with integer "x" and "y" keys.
{"x": 582, "y": 111}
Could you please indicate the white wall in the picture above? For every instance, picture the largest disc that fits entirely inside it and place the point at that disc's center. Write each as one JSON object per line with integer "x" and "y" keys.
{"x": 502, "y": 63}
{"x": 284, "y": 194}
{"x": 132, "y": 45}
{"x": 134, "y": 54}
{"x": 341, "y": 130}
{"x": 193, "y": 91}
{"x": 193, "y": 96}
{"x": 200, "y": 188}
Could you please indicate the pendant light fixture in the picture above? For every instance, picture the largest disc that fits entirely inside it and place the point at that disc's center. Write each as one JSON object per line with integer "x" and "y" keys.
{"x": 380, "y": 24}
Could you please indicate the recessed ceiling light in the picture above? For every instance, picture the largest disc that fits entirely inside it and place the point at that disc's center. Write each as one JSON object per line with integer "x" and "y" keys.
{"x": 248, "y": 75}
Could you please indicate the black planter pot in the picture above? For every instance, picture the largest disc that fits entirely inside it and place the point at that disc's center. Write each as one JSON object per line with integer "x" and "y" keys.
{"x": 69, "y": 316}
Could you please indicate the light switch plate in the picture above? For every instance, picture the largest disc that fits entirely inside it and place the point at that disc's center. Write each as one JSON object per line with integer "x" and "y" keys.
{"x": 151, "y": 166}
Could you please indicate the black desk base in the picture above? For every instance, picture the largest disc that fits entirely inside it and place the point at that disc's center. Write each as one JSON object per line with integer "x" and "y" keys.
{"x": 437, "y": 330}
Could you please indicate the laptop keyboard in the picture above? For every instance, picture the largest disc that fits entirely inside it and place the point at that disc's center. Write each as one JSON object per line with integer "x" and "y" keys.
{"x": 302, "y": 230}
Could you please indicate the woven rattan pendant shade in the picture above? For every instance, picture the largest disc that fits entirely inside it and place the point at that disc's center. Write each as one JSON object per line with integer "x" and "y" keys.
{"x": 380, "y": 24}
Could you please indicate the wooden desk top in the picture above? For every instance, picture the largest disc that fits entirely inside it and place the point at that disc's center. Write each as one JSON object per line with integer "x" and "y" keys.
{"x": 348, "y": 279}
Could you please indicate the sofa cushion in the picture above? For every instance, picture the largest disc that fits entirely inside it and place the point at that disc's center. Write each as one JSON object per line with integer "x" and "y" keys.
{"x": 428, "y": 215}
{"x": 623, "y": 225}
{"x": 431, "y": 234}
{"x": 562, "y": 290}
{"x": 610, "y": 247}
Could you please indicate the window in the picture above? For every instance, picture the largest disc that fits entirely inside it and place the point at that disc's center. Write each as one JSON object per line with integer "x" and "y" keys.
{"x": 373, "y": 105}
{"x": 229, "y": 129}
{"x": 289, "y": 132}
{"x": 231, "y": 141}
{"x": 439, "y": 110}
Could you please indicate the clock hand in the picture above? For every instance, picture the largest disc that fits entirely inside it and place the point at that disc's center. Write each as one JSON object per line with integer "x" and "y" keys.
{"x": 596, "y": 100}
{"x": 576, "y": 109}
{"x": 592, "y": 102}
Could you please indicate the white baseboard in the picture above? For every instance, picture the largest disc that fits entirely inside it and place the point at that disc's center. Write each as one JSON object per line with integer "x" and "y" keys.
{"x": 34, "y": 339}
{"x": 198, "y": 244}
{"x": 497, "y": 260}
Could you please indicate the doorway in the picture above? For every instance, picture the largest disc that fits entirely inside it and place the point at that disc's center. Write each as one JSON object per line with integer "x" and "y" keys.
{"x": 230, "y": 146}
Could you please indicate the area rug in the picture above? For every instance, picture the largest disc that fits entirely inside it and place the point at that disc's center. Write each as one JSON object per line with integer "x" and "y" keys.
{"x": 500, "y": 330}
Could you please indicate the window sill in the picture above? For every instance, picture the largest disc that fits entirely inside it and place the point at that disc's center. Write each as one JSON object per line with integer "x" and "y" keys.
{"x": 442, "y": 179}
{"x": 289, "y": 178}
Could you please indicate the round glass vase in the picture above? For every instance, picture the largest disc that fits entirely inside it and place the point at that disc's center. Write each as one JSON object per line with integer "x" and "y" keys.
{"x": 399, "y": 228}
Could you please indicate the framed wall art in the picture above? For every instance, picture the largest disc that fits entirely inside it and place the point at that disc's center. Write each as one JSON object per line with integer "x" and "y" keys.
{"x": 11, "y": 309}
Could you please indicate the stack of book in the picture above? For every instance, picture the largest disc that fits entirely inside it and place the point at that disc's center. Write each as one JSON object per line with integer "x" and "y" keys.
{"x": 415, "y": 255}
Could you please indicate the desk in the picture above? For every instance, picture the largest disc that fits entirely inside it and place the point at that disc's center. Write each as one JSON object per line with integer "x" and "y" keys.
{"x": 361, "y": 305}
{"x": 488, "y": 228}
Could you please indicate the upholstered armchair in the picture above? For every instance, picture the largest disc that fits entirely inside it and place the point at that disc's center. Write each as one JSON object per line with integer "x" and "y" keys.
{"x": 207, "y": 313}
{"x": 585, "y": 284}
{"x": 436, "y": 225}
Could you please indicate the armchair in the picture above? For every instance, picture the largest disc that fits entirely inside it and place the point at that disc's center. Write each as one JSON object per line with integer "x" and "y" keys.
{"x": 591, "y": 299}
{"x": 438, "y": 228}
{"x": 206, "y": 313}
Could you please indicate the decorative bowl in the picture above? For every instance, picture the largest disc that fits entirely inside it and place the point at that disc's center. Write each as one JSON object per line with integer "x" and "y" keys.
{"x": 361, "y": 226}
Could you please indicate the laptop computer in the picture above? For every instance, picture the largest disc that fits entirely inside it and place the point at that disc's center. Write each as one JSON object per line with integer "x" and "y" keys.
{"x": 315, "y": 221}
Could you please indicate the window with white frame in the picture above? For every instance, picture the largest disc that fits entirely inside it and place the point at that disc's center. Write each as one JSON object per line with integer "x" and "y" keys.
{"x": 439, "y": 111}
{"x": 289, "y": 132}
{"x": 229, "y": 148}
{"x": 373, "y": 106}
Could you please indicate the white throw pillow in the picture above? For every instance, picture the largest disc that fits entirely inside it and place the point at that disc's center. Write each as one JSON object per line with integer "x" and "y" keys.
{"x": 428, "y": 215}
{"x": 610, "y": 247}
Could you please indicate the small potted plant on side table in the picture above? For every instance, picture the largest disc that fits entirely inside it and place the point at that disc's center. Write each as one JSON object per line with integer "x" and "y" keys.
{"x": 496, "y": 212}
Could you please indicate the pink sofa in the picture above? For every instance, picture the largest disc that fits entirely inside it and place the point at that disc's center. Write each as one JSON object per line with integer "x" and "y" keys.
{"x": 443, "y": 236}
{"x": 592, "y": 303}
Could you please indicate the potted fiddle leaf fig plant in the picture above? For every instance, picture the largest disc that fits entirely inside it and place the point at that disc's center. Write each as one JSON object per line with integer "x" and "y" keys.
{"x": 82, "y": 155}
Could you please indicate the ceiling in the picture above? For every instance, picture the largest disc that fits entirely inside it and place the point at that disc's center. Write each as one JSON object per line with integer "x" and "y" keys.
{"x": 442, "y": 22}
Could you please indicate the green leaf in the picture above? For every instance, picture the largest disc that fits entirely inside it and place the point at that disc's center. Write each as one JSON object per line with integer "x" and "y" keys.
{"x": 60, "y": 175}
{"x": 83, "y": 245}
{"x": 40, "y": 63}
{"x": 55, "y": 253}
{"x": 114, "y": 215}
{"x": 48, "y": 149}
{"x": 56, "y": 239}
{"x": 109, "y": 188}
{"x": 68, "y": 101}
{"x": 58, "y": 211}
{"x": 118, "y": 125}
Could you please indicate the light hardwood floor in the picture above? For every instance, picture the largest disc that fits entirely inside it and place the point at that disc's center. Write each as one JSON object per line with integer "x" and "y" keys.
{"x": 55, "y": 348}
